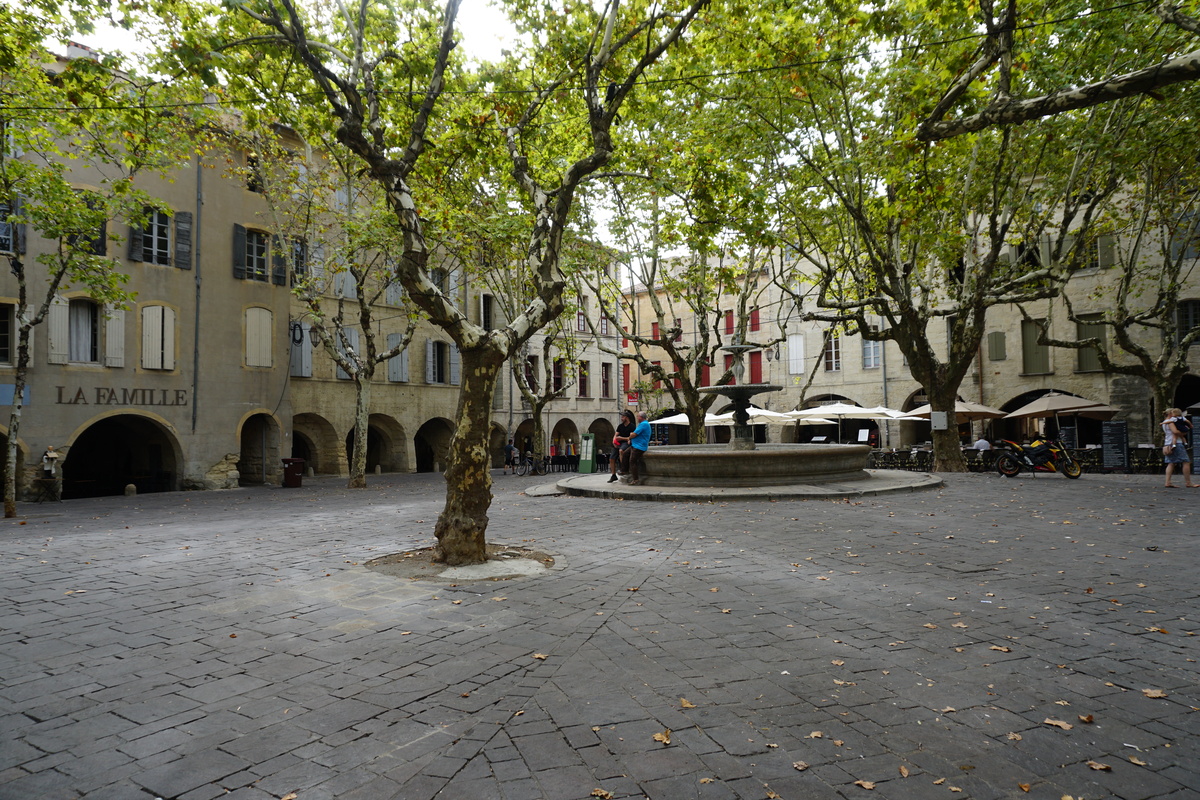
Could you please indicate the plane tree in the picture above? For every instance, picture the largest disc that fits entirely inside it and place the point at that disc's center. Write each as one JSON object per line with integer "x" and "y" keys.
{"x": 383, "y": 75}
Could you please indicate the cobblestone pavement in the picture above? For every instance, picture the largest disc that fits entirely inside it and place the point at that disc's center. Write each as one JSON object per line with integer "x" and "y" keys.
{"x": 975, "y": 641}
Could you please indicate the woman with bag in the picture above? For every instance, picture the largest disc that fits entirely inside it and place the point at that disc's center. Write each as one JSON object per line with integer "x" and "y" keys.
{"x": 1175, "y": 448}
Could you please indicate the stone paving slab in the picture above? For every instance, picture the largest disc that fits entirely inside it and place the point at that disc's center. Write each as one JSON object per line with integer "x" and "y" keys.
{"x": 233, "y": 645}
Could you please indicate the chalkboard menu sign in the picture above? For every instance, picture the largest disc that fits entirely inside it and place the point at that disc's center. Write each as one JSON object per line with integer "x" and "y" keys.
{"x": 1115, "y": 438}
{"x": 1067, "y": 436}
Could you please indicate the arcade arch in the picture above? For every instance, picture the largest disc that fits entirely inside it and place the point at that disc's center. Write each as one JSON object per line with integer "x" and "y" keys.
{"x": 258, "y": 456}
{"x": 314, "y": 440}
{"x": 114, "y": 451}
{"x": 432, "y": 444}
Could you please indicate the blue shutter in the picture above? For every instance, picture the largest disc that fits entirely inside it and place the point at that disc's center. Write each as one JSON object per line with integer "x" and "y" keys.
{"x": 429, "y": 360}
{"x": 183, "y": 240}
{"x": 239, "y": 252}
{"x": 455, "y": 365}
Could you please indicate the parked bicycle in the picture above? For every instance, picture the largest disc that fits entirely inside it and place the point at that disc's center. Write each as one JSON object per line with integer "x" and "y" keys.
{"x": 1049, "y": 455}
{"x": 528, "y": 464}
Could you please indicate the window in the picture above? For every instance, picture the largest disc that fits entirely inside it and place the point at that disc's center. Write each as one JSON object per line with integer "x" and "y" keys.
{"x": 486, "y": 318}
{"x": 626, "y": 384}
{"x": 254, "y": 180}
{"x": 795, "y": 349}
{"x": 397, "y": 364}
{"x": 584, "y": 389}
{"x": 1088, "y": 327}
{"x": 1035, "y": 358}
{"x": 301, "y": 350}
{"x": 558, "y": 374}
{"x": 1188, "y": 312}
{"x": 438, "y": 276}
{"x": 442, "y": 363}
{"x": 158, "y": 337}
{"x": 603, "y": 325}
{"x": 654, "y": 330}
{"x": 729, "y": 322}
{"x": 832, "y": 354}
{"x": 299, "y": 258}
{"x": 754, "y": 323}
{"x": 7, "y": 339}
{"x": 606, "y": 380}
{"x": 581, "y": 316}
{"x": 250, "y": 251}
{"x": 756, "y": 373}
{"x": 1185, "y": 237}
{"x": 531, "y": 373}
{"x": 96, "y": 242}
{"x": 83, "y": 321}
{"x": 156, "y": 239}
{"x": 996, "y": 346}
{"x": 8, "y": 239}
{"x": 872, "y": 352}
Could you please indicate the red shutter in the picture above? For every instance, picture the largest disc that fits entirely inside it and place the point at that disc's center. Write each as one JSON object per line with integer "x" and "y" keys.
{"x": 625, "y": 384}
{"x": 729, "y": 366}
{"x": 624, "y": 344}
{"x": 756, "y": 367}
{"x": 705, "y": 377}
{"x": 754, "y": 321}
{"x": 654, "y": 330}
{"x": 729, "y": 322}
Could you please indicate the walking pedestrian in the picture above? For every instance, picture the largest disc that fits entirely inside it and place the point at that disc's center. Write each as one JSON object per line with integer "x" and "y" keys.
{"x": 1175, "y": 447}
{"x": 510, "y": 457}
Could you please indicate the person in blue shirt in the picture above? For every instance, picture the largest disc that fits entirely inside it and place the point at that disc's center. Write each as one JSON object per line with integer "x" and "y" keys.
{"x": 639, "y": 442}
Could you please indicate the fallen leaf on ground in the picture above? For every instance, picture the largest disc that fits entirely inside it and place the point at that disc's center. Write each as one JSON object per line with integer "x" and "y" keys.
{"x": 289, "y": 796}
{"x": 540, "y": 656}
{"x": 837, "y": 662}
{"x": 1016, "y": 737}
{"x": 771, "y": 795}
{"x": 707, "y": 780}
{"x": 664, "y": 737}
{"x": 1154, "y": 693}
{"x": 865, "y": 784}
{"x": 947, "y": 710}
{"x": 726, "y": 610}
{"x": 1087, "y": 719}
{"x": 814, "y": 735}
{"x": 954, "y": 788}
{"x": 684, "y": 703}
{"x": 1136, "y": 760}
{"x": 1061, "y": 703}
{"x": 602, "y": 794}
{"x": 844, "y": 683}
{"x": 903, "y": 771}
{"x": 1058, "y": 723}
{"x": 838, "y": 742}
{"x": 1001, "y": 649}
{"x": 800, "y": 765}
{"x": 930, "y": 625}
{"x": 959, "y": 625}
{"x": 1025, "y": 787}
{"x": 456, "y": 602}
{"x": 1096, "y": 765}
{"x": 939, "y": 781}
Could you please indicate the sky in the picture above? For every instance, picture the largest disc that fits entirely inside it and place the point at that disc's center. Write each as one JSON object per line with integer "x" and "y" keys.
{"x": 483, "y": 28}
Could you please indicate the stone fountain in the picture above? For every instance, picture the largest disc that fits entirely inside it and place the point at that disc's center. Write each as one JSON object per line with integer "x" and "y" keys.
{"x": 741, "y": 463}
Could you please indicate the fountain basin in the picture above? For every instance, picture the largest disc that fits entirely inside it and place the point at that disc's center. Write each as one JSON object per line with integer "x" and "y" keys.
{"x": 766, "y": 465}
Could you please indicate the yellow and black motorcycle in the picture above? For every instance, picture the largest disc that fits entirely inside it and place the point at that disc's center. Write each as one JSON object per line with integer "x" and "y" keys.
{"x": 1042, "y": 455}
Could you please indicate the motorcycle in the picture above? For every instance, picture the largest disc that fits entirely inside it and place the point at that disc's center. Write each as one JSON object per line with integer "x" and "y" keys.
{"x": 1048, "y": 455}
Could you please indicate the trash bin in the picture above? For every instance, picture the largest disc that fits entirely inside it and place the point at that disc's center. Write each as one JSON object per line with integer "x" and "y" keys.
{"x": 293, "y": 472}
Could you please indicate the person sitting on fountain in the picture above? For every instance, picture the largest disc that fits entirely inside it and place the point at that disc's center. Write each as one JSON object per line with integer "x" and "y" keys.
{"x": 639, "y": 442}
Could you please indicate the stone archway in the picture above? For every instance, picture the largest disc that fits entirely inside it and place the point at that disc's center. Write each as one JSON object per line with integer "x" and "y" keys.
{"x": 393, "y": 441}
{"x": 496, "y": 441}
{"x": 377, "y": 448}
{"x": 314, "y": 440}
{"x": 258, "y": 456}
{"x": 113, "y": 452}
{"x": 432, "y": 444}
{"x": 564, "y": 437}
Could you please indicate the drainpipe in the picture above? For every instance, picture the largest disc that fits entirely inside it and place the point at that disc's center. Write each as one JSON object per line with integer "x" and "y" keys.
{"x": 197, "y": 238}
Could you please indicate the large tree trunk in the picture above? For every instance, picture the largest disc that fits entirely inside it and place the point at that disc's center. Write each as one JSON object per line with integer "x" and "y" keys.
{"x": 947, "y": 449}
{"x": 362, "y": 405}
{"x": 461, "y": 525}
{"x": 14, "y": 423}
{"x": 696, "y": 432}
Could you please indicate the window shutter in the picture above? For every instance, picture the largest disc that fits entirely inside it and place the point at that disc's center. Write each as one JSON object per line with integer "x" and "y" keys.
{"x": 395, "y": 293}
{"x": 100, "y": 243}
{"x": 1106, "y": 250}
{"x": 454, "y": 285}
{"x": 997, "y": 350}
{"x": 114, "y": 337}
{"x": 394, "y": 365}
{"x": 278, "y": 262}
{"x": 135, "y": 243}
{"x": 455, "y": 365}
{"x": 168, "y": 338}
{"x": 60, "y": 330}
{"x": 183, "y": 240}
{"x": 296, "y": 337}
{"x": 795, "y": 345}
{"x": 152, "y": 337}
{"x": 404, "y": 366}
{"x": 239, "y": 252}
{"x": 316, "y": 265}
{"x": 258, "y": 337}
{"x": 429, "y": 360}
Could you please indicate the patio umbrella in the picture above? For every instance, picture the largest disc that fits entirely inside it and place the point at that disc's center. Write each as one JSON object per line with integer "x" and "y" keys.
{"x": 761, "y": 416}
{"x": 840, "y": 411}
{"x": 682, "y": 419}
{"x": 1052, "y": 404}
{"x": 964, "y": 411}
